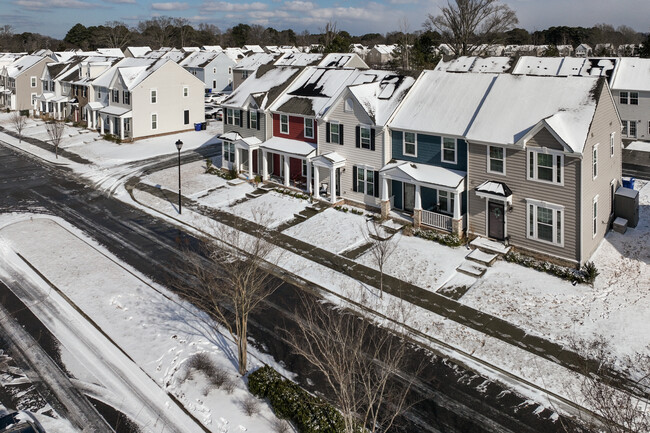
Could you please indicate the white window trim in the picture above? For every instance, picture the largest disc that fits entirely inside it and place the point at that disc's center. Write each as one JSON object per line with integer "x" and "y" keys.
{"x": 287, "y": 123}
{"x": 33, "y": 97}
{"x": 627, "y": 98}
{"x": 338, "y": 133}
{"x": 611, "y": 144}
{"x": 442, "y": 150}
{"x": 547, "y": 152}
{"x": 451, "y": 201}
{"x": 237, "y": 115}
{"x": 365, "y": 169}
{"x": 612, "y": 187}
{"x": 594, "y": 162}
{"x": 230, "y": 116}
{"x": 305, "y": 127}
{"x": 546, "y": 205}
{"x": 151, "y": 93}
{"x": 186, "y": 89}
{"x": 33, "y": 82}
{"x": 594, "y": 222}
{"x": 256, "y": 120}
{"x": 157, "y": 121}
{"x": 369, "y": 128}
{"x": 415, "y": 142}
{"x": 636, "y": 97}
{"x": 503, "y": 173}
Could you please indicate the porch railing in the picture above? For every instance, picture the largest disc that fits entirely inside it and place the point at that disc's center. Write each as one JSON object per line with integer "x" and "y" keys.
{"x": 437, "y": 220}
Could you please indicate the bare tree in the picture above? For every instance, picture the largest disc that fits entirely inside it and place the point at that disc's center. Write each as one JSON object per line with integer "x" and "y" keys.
{"x": 18, "y": 121}
{"x": 158, "y": 29}
{"x": 329, "y": 33}
{"x": 467, "y": 24}
{"x": 359, "y": 363}
{"x": 117, "y": 34}
{"x": 55, "y": 130}
{"x": 183, "y": 28}
{"x": 405, "y": 42}
{"x": 6, "y": 30}
{"x": 230, "y": 278}
{"x": 382, "y": 247}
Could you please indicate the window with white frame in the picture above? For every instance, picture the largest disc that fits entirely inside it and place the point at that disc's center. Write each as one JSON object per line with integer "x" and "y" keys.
{"x": 629, "y": 128}
{"x": 594, "y": 216}
{"x": 446, "y": 202}
{"x": 33, "y": 98}
{"x": 229, "y": 116}
{"x": 545, "y": 166}
{"x": 366, "y": 181}
{"x": 46, "y": 85}
{"x": 410, "y": 147}
{"x": 154, "y": 96}
{"x": 348, "y": 106}
{"x": 126, "y": 97}
{"x": 304, "y": 168}
{"x": 186, "y": 91}
{"x": 84, "y": 92}
{"x": 237, "y": 117}
{"x": 545, "y": 222}
{"x": 623, "y": 97}
{"x": 594, "y": 162}
{"x": 253, "y": 117}
{"x": 32, "y": 82}
{"x": 154, "y": 121}
{"x": 244, "y": 74}
{"x": 611, "y": 144}
{"x": 612, "y": 195}
{"x": 634, "y": 98}
{"x": 364, "y": 136}
{"x": 229, "y": 70}
{"x": 335, "y": 133}
{"x": 229, "y": 151}
{"x": 449, "y": 150}
{"x": 115, "y": 95}
{"x": 309, "y": 128}
{"x": 284, "y": 124}
{"x": 214, "y": 70}
{"x": 496, "y": 160}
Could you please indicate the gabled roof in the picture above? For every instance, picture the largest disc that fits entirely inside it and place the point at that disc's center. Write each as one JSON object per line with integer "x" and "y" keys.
{"x": 253, "y": 48}
{"x": 236, "y": 54}
{"x": 216, "y": 48}
{"x": 131, "y": 70}
{"x": 494, "y": 65}
{"x": 138, "y": 51}
{"x": 254, "y": 61}
{"x": 22, "y": 64}
{"x": 632, "y": 73}
{"x": 342, "y": 60}
{"x": 384, "y": 49}
{"x": 564, "y": 66}
{"x": 264, "y": 87}
{"x": 381, "y": 97}
{"x": 198, "y": 59}
{"x": 298, "y": 59}
{"x": 111, "y": 52}
{"x": 423, "y": 174}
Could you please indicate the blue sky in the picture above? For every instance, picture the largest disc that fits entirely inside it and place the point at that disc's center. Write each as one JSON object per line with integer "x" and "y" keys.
{"x": 55, "y": 17}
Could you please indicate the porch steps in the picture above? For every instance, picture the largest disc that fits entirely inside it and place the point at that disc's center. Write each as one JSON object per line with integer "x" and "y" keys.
{"x": 472, "y": 269}
{"x": 481, "y": 257}
{"x": 487, "y": 245}
{"x": 235, "y": 182}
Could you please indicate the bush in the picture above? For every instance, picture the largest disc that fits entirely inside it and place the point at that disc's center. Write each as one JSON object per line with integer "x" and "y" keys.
{"x": 310, "y": 414}
{"x": 113, "y": 138}
{"x": 590, "y": 272}
{"x": 280, "y": 426}
{"x": 250, "y": 405}
{"x": 450, "y": 240}
{"x": 217, "y": 376}
{"x": 290, "y": 193}
{"x": 586, "y": 275}
{"x": 232, "y": 174}
{"x": 23, "y": 113}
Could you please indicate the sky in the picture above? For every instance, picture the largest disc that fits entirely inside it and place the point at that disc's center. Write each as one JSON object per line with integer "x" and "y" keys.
{"x": 55, "y": 17}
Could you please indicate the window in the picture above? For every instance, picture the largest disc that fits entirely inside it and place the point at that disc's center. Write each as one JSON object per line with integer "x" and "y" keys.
{"x": 309, "y": 128}
{"x": 335, "y": 133}
{"x": 594, "y": 216}
{"x": 366, "y": 181}
{"x": 304, "y": 168}
{"x": 186, "y": 91}
{"x": 545, "y": 167}
{"x": 229, "y": 71}
{"x": 126, "y": 97}
{"x": 33, "y": 98}
{"x": 253, "y": 114}
{"x": 115, "y": 95}
{"x": 594, "y": 162}
{"x": 32, "y": 82}
{"x": 496, "y": 160}
{"x": 348, "y": 105}
{"x": 611, "y": 144}
{"x": 364, "y": 137}
{"x": 214, "y": 70}
{"x": 449, "y": 150}
{"x": 634, "y": 98}
{"x": 632, "y": 129}
{"x": 244, "y": 74}
{"x": 284, "y": 124}
{"x": 127, "y": 124}
{"x": 45, "y": 85}
{"x": 623, "y": 98}
{"x": 229, "y": 116}
{"x": 545, "y": 222}
{"x": 237, "y": 117}
{"x": 446, "y": 202}
{"x": 612, "y": 194}
{"x": 186, "y": 117}
{"x": 154, "y": 121}
{"x": 229, "y": 151}
{"x": 84, "y": 92}
{"x": 154, "y": 96}
{"x": 410, "y": 145}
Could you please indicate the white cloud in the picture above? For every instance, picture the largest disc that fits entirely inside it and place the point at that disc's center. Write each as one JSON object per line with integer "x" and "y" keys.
{"x": 233, "y": 7}
{"x": 121, "y": 1}
{"x": 298, "y": 5}
{"x": 41, "y": 4}
{"x": 169, "y": 6}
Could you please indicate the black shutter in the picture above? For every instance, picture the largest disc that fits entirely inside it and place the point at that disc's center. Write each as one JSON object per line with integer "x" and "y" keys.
{"x": 241, "y": 118}
{"x": 358, "y": 138}
{"x": 327, "y": 132}
{"x": 258, "y": 120}
{"x": 248, "y": 119}
{"x": 354, "y": 178}
{"x": 372, "y": 139}
{"x": 376, "y": 181}
{"x": 341, "y": 134}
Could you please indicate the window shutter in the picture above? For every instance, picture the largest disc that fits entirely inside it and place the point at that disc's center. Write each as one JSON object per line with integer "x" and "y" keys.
{"x": 372, "y": 139}
{"x": 327, "y": 132}
{"x": 248, "y": 119}
{"x": 358, "y": 138}
{"x": 341, "y": 134}
{"x": 376, "y": 179}
{"x": 354, "y": 178}
{"x": 258, "y": 120}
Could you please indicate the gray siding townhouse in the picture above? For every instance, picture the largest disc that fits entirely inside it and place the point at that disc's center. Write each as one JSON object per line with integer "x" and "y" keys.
{"x": 19, "y": 82}
{"x": 630, "y": 85}
{"x": 214, "y": 69}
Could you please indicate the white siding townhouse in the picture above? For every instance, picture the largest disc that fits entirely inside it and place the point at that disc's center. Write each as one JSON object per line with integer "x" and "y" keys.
{"x": 214, "y": 69}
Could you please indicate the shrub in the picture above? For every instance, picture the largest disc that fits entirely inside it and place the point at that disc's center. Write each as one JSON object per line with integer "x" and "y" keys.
{"x": 290, "y": 193}
{"x": 448, "y": 239}
{"x": 217, "y": 376}
{"x": 250, "y": 405}
{"x": 232, "y": 174}
{"x": 280, "y": 426}
{"x": 23, "y": 112}
{"x": 590, "y": 272}
{"x": 113, "y": 138}
{"x": 586, "y": 275}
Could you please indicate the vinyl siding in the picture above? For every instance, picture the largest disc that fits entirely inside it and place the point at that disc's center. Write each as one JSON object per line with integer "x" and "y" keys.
{"x": 296, "y": 128}
{"x": 429, "y": 150}
{"x": 635, "y": 112}
{"x": 604, "y": 123}
{"x": 243, "y": 130}
{"x": 23, "y": 84}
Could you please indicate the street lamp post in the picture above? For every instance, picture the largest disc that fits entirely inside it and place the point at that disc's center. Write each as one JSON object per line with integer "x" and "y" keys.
{"x": 179, "y": 145}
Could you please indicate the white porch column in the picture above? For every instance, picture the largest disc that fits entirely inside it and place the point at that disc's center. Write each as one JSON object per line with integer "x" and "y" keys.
{"x": 121, "y": 128}
{"x": 457, "y": 205}
{"x": 332, "y": 185}
{"x": 250, "y": 164}
{"x": 418, "y": 198}
{"x": 384, "y": 189}
{"x": 285, "y": 161}
{"x": 316, "y": 183}
{"x": 308, "y": 176}
{"x": 236, "y": 166}
{"x": 265, "y": 165}
{"x": 101, "y": 124}
{"x": 89, "y": 118}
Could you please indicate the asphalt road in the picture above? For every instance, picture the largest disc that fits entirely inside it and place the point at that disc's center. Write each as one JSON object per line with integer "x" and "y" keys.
{"x": 451, "y": 399}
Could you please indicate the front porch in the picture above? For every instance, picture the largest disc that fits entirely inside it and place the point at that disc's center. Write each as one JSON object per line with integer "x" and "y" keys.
{"x": 115, "y": 120}
{"x": 51, "y": 105}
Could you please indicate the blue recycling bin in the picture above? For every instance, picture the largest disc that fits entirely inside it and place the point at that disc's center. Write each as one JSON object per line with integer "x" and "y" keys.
{"x": 197, "y": 126}
{"x": 628, "y": 183}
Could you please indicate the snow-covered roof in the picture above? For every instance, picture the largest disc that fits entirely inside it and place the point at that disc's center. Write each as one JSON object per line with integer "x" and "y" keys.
{"x": 21, "y": 64}
{"x": 442, "y": 103}
{"x": 139, "y": 51}
{"x": 132, "y": 71}
{"x": 114, "y": 110}
{"x": 564, "y": 66}
{"x": 254, "y": 61}
{"x": 639, "y": 146}
{"x": 496, "y": 188}
{"x": 286, "y": 145}
{"x": 95, "y": 105}
{"x": 253, "y": 49}
{"x": 198, "y": 59}
{"x": 298, "y": 59}
{"x": 342, "y": 60}
{"x": 476, "y": 64}
{"x": 110, "y": 52}
{"x": 632, "y": 73}
{"x": 329, "y": 159}
{"x": 384, "y": 49}
{"x": 264, "y": 86}
{"x": 191, "y": 49}
{"x": 514, "y": 105}
{"x": 230, "y": 136}
{"x": 236, "y": 54}
{"x": 216, "y": 48}
{"x": 381, "y": 97}
{"x": 423, "y": 174}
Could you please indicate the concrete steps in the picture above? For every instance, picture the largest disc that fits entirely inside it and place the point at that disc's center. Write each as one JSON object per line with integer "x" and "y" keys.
{"x": 472, "y": 269}
{"x": 489, "y": 246}
{"x": 481, "y": 257}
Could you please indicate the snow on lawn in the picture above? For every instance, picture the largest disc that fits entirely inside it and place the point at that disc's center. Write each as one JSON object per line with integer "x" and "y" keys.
{"x": 156, "y": 329}
{"x": 332, "y": 230}
{"x": 418, "y": 261}
{"x": 616, "y": 307}
{"x": 274, "y": 208}
{"x": 194, "y": 180}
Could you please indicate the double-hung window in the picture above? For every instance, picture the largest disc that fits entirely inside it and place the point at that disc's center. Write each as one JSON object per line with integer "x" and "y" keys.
{"x": 545, "y": 222}
{"x": 32, "y": 82}
{"x": 629, "y": 128}
{"x": 594, "y": 161}
{"x": 154, "y": 96}
{"x": 154, "y": 121}
{"x": 229, "y": 116}
{"x": 410, "y": 147}
{"x": 126, "y": 98}
{"x": 611, "y": 144}
{"x": 623, "y": 97}
{"x": 229, "y": 151}
{"x": 253, "y": 117}
{"x": 366, "y": 181}
{"x": 335, "y": 133}
{"x": 446, "y": 201}
{"x": 284, "y": 124}
{"x": 496, "y": 160}
{"x": 364, "y": 136}
{"x": 634, "y": 98}
{"x": 594, "y": 216}
{"x": 309, "y": 128}
{"x": 186, "y": 91}
{"x": 237, "y": 117}
{"x": 449, "y": 150}
{"x": 115, "y": 95}
{"x": 545, "y": 167}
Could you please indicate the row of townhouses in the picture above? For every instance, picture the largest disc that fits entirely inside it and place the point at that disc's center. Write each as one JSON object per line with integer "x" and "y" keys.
{"x": 533, "y": 161}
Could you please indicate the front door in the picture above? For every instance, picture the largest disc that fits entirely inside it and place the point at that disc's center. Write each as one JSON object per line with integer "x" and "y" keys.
{"x": 244, "y": 159}
{"x": 409, "y": 197}
{"x": 496, "y": 221}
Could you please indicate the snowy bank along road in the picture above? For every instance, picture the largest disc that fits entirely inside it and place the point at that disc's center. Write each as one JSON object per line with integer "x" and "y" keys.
{"x": 452, "y": 399}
